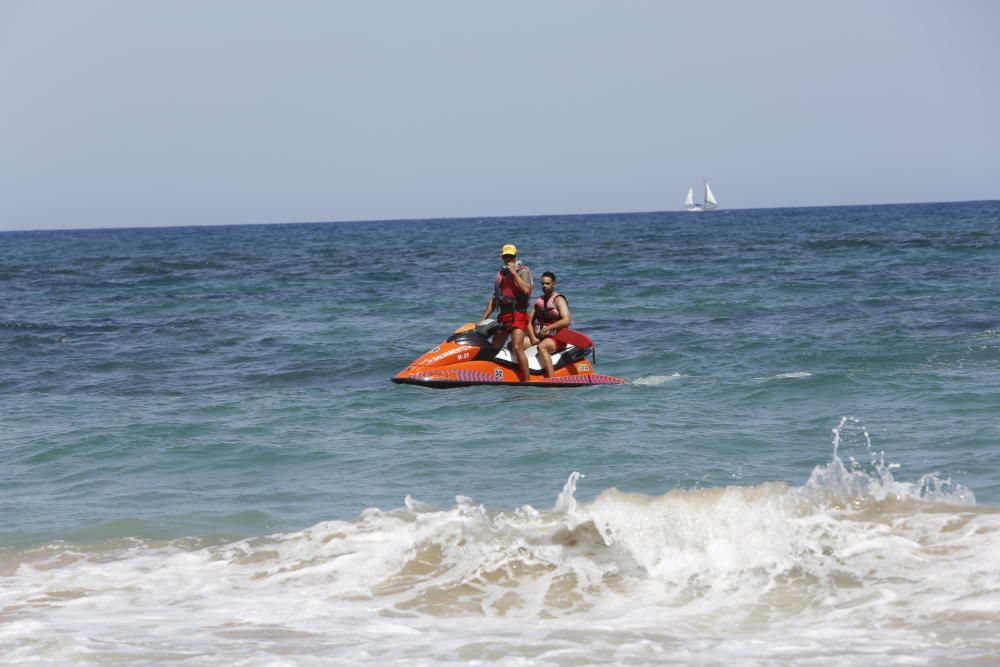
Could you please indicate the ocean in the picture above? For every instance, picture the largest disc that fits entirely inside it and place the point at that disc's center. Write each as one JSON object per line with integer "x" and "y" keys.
{"x": 203, "y": 461}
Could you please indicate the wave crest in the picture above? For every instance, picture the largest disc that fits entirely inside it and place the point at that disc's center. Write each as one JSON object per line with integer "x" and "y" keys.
{"x": 850, "y": 550}
{"x": 677, "y": 547}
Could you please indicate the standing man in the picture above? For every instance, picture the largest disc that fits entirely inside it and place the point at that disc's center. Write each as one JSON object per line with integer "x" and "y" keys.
{"x": 512, "y": 294}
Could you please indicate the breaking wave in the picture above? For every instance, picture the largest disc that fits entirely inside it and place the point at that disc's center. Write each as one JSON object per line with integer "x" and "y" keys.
{"x": 850, "y": 566}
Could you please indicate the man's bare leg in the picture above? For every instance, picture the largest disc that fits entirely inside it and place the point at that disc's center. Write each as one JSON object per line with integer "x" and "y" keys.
{"x": 517, "y": 343}
{"x": 545, "y": 349}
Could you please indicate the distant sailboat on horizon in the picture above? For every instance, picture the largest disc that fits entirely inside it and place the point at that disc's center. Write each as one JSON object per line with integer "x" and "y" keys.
{"x": 707, "y": 205}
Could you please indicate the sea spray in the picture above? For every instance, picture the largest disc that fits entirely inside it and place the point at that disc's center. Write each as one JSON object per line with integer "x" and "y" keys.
{"x": 866, "y": 476}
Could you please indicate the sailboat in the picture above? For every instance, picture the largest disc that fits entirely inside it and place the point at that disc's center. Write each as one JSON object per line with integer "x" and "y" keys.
{"x": 707, "y": 205}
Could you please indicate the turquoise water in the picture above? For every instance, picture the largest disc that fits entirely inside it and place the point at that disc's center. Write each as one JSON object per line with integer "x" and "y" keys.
{"x": 191, "y": 389}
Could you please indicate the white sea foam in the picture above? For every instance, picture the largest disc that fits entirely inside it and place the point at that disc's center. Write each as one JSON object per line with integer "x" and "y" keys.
{"x": 654, "y": 380}
{"x": 793, "y": 375}
{"x": 852, "y": 567}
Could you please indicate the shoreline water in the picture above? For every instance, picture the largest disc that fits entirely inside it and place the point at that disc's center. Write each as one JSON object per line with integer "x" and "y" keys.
{"x": 715, "y": 574}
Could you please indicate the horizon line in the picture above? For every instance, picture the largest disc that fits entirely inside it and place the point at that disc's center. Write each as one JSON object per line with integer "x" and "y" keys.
{"x": 479, "y": 217}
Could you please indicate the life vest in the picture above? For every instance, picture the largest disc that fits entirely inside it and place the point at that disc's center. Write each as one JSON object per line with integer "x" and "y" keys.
{"x": 547, "y": 313}
{"x": 507, "y": 295}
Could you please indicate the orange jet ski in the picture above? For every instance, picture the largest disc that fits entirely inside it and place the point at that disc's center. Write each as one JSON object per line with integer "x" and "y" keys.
{"x": 468, "y": 358}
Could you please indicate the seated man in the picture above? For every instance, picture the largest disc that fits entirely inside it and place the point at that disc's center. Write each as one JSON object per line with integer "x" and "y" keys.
{"x": 550, "y": 316}
{"x": 512, "y": 295}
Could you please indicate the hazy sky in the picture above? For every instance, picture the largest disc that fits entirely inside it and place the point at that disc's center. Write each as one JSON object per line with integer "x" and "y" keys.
{"x": 131, "y": 113}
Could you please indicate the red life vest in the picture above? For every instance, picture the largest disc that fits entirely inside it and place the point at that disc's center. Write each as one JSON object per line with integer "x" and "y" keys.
{"x": 547, "y": 313}
{"x": 509, "y": 298}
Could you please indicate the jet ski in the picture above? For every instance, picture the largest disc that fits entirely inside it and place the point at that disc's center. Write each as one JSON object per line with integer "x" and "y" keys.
{"x": 468, "y": 358}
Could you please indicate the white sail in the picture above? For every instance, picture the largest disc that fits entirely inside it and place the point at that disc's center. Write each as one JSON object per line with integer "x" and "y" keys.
{"x": 707, "y": 205}
{"x": 709, "y": 197}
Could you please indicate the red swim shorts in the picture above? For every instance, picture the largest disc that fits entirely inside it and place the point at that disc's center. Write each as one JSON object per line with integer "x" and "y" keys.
{"x": 515, "y": 320}
{"x": 560, "y": 345}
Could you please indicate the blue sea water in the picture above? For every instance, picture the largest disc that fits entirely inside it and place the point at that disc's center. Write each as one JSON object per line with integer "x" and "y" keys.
{"x": 174, "y": 401}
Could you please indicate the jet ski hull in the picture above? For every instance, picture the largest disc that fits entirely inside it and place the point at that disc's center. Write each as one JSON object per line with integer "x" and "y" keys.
{"x": 467, "y": 359}
{"x": 462, "y": 378}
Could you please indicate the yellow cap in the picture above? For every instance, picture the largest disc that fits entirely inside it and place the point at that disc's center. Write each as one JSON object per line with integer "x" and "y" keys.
{"x": 509, "y": 249}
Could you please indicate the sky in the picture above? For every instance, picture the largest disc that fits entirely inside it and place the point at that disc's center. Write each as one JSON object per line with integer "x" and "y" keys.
{"x": 155, "y": 113}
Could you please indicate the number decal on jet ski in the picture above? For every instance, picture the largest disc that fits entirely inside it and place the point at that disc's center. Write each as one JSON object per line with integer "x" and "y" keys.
{"x": 583, "y": 367}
